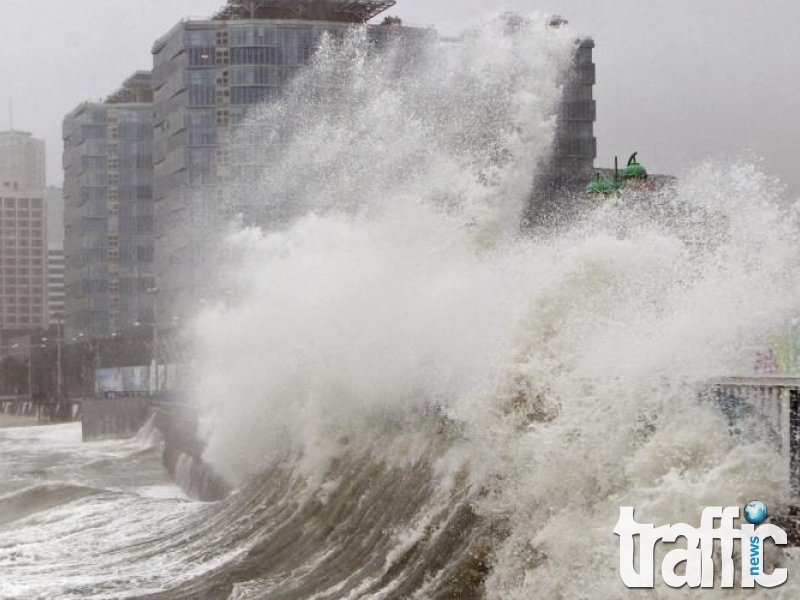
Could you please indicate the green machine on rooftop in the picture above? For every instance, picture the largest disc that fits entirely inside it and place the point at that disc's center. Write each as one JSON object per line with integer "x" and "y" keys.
{"x": 632, "y": 176}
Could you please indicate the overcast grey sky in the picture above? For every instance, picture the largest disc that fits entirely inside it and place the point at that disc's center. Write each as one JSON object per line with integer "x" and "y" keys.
{"x": 678, "y": 80}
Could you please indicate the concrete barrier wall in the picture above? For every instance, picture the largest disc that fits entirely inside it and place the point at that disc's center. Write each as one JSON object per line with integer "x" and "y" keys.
{"x": 19, "y": 408}
{"x": 65, "y": 411}
{"x": 60, "y": 412}
{"x": 183, "y": 452}
{"x": 118, "y": 418}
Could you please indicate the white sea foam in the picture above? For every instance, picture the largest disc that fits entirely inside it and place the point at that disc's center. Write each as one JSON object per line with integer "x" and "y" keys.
{"x": 398, "y": 357}
{"x": 395, "y": 282}
{"x": 572, "y": 362}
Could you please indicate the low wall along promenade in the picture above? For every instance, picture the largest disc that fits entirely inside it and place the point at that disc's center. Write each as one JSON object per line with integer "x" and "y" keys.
{"x": 47, "y": 411}
{"x": 118, "y": 418}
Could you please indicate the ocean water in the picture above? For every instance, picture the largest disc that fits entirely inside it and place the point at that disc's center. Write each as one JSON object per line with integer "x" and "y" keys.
{"x": 413, "y": 398}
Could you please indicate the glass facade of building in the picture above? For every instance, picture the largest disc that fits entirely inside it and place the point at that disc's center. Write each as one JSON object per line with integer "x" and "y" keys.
{"x": 206, "y": 76}
{"x": 575, "y": 146}
{"x": 570, "y": 164}
{"x": 108, "y": 194}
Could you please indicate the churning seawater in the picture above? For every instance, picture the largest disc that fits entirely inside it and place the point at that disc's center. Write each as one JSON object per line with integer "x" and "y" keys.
{"x": 411, "y": 397}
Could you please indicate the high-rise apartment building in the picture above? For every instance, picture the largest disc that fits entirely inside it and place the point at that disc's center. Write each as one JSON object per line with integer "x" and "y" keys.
{"x": 108, "y": 214}
{"x": 207, "y": 74}
{"x": 570, "y": 164}
{"x": 23, "y": 234}
{"x": 23, "y": 259}
{"x": 22, "y": 160}
{"x": 575, "y": 147}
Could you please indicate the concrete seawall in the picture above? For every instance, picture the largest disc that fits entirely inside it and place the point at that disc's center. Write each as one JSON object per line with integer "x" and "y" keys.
{"x": 183, "y": 452}
{"x": 121, "y": 418}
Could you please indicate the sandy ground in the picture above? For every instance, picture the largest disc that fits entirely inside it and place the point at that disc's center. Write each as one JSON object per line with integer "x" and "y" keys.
{"x": 15, "y": 421}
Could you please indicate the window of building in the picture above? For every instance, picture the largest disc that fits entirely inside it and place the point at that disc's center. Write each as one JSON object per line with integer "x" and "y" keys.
{"x": 200, "y": 38}
{"x": 252, "y": 94}
{"x": 202, "y": 57}
{"x": 93, "y": 132}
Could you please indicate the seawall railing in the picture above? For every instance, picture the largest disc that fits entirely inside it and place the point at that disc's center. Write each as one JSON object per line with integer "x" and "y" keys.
{"x": 774, "y": 404}
{"x": 46, "y": 410}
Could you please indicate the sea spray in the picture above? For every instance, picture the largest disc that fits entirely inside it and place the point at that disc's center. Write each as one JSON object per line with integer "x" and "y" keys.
{"x": 563, "y": 369}
{"x": 392, "y": 178}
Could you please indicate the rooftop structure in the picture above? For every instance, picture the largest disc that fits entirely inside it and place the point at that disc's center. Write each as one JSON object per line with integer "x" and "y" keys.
{"x": 138, "y": 88}
{"x": 22, "y": 160}
{"x": 341, "y": 11}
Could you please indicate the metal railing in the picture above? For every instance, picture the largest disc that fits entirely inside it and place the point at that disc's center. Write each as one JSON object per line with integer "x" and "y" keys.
{"x": 772, "y": 402}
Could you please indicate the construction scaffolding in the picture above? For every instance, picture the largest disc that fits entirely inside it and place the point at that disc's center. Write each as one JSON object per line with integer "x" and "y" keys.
{"x": 341, "y": 11}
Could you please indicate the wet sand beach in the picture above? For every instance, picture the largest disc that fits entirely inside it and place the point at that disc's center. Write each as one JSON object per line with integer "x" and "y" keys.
{"x": 7, "y": 421}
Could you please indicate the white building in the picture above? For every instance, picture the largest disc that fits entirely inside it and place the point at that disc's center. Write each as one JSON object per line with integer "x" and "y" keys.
{"x": 23, "y": 259}
{"x": 22, "y": 160}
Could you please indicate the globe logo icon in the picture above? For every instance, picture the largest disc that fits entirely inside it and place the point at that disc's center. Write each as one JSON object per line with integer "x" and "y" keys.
{"x": 755, "y": 512}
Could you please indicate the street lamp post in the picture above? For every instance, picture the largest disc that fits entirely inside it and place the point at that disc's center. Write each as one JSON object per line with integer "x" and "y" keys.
{"x": 59, "y": 371}
{"x": 30, "y": 367}
{"x": 94, "y": 344}
{"x": 60, "y": 380}
{"x": 154, "y": 292}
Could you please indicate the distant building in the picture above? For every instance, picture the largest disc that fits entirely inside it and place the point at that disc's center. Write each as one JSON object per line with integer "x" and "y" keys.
{"x": 55, "y": 286}
{"x": 207, "y": 74}
{"x": 570, "y": 164}
{"x": 54, "y": 205}
{"x": 575, "y": 146}
{"x": 23, "y": 259}
{"x": 23, "y": 236}
{"x": 22, "y": 160}
{"x": 108, "y": 213}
